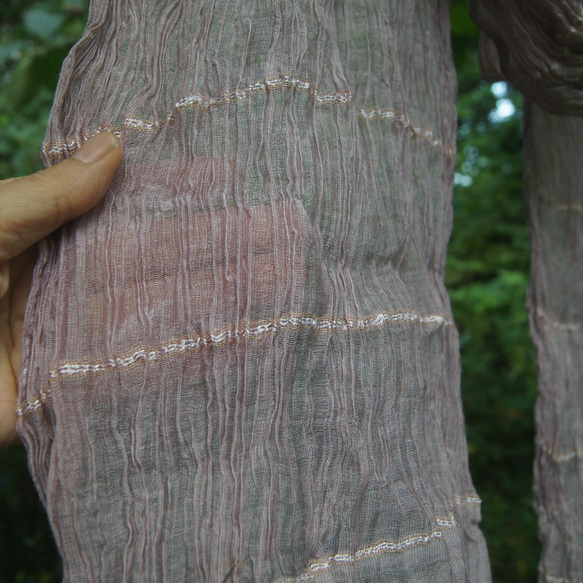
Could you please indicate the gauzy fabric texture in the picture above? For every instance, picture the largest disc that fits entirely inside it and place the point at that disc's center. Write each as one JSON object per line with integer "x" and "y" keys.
{"x": 242, "y": 365}
{"x": 536, "y": 45}
{"x": 555, "y": 208}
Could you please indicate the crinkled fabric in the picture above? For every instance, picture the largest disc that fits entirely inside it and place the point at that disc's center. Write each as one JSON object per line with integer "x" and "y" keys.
{"x": 537, "y": 45}
{"x": 555, "y": 210}
{"x": 242, "y": 365}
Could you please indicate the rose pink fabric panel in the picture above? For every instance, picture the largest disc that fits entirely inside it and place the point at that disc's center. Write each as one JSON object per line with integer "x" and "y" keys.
{"x": 242, "y": 365}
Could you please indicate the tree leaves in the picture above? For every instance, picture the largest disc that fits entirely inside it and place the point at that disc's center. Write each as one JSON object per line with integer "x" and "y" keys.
{"x": 44, "y": 25}
{"x": 33, "y": 44}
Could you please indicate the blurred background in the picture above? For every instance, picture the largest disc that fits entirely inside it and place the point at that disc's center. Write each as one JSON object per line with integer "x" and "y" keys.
{"x": 487, "y": 278}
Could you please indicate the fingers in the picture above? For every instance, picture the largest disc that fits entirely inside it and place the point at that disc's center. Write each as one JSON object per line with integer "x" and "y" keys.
{"x": 35, "y": 205}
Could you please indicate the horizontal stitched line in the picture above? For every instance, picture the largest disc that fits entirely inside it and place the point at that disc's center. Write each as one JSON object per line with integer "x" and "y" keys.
{"x": 559, "y": 206}
{"x": 260, "y": 329}
{"x": 401, "y": 119}
{"x": 378, "y": 549}
{"x": 196, "y": 101}
{"x": 542, "y": 315}
{"x": 559, "y": 457}
{"x": 552, "y": 579}
{"x": 221, "y": 337}
{"x": 466, "y": 500}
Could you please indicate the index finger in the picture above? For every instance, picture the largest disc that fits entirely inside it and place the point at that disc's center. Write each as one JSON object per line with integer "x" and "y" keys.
{"x": 34, "y": 206}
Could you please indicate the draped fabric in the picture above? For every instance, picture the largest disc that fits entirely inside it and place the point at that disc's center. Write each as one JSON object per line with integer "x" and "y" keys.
{"x": 555, "y": 210}
{"x": 537, "y": 46}
{"x": 242, "y": 365}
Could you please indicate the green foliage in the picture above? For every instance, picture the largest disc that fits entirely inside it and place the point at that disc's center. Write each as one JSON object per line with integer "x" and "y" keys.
{"x": 35, "y": 37}
{"x": 487, "y": 279}
{"x": 28, "y": 552}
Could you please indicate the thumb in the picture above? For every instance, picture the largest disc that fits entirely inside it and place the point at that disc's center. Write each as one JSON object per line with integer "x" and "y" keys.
{"x": 35, "y": 205}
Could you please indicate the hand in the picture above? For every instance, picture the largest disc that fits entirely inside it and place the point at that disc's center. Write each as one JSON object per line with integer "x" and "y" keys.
{"x": 31, "y": 208}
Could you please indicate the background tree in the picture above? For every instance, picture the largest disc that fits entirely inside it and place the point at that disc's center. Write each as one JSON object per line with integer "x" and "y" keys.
{"x": 487, "y": 279}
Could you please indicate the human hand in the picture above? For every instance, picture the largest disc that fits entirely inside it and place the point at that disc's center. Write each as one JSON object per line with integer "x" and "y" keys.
{"x": 31, "y": 208}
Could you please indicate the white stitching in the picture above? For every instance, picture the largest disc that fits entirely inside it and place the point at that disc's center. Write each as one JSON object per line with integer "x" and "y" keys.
{"x": 559, "y": 457}
{"x": 402, "y": 119}
{"x": 542, "y": 315}
{"x": 466, "y": 500}
{"x": 269, "y": 327}
{"x": 377, "y": 549}
{"x": 233, "y": 334}
{"x": 200, "y": 102}
{"x": 559, "y": 206}
{"x": 447, "y": 523}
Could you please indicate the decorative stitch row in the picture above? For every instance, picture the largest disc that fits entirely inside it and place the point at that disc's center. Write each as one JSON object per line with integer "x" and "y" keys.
{"x": 232, "y": 334}
{"x": 552, "y": 579}
{"x": 35, "y": 404}
{"x": 465, "y": 500}
{"x": 559, "y": 457}
{"x": 447, "y": 522}
{"x": 241, "y": 332}
{"x": 552, "y": 201}
{"x": 570, "y": 326}
{"x": 378, "y": 549}
{"x": 400, "y": 118}
{"x": 197, "y": 101}
{"x": 69, "y": 146}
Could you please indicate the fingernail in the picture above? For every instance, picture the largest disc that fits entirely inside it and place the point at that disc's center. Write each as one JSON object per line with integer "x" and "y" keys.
{"x": 96, "y": 148}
